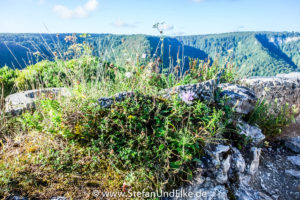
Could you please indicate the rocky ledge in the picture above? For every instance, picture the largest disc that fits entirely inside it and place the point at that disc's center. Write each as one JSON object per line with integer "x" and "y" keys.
{"x": 256, "y": 172}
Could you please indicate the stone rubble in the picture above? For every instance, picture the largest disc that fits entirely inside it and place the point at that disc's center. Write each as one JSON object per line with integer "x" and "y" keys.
{"x": 293, "y": 144}
{"x": 295, "y": 160}
{"x": 252, "y": 132}
{"x": 294, "y": 173}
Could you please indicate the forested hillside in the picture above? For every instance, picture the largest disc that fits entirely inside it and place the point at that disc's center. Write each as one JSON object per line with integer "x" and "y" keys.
{"x": 254, "y": 53}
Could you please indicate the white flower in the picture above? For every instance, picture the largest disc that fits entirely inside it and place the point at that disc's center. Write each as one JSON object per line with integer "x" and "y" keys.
{"x": 144, "y": 56}
{"x": 128, "y": 74}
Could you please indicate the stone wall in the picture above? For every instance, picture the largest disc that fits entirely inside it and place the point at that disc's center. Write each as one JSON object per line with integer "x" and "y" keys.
{"x": 16, "y": 103}
{"x": 284, "y": 87}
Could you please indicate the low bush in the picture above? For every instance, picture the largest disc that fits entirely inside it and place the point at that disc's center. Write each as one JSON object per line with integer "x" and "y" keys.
{"x": 162, "y": 138}
{"x": 272, "y": 118}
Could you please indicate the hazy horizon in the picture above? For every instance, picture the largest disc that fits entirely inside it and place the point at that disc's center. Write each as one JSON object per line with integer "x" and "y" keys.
{"x": 221, "y": 33}
{"x": 181, "y": 17}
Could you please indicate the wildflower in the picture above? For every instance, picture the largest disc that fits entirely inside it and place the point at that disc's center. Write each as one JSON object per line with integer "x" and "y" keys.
{"x": 130, "y": 117}
{"x": 187, "y": 97}
{"x": 144, "y": 56}
{"x": 128, "y": 74}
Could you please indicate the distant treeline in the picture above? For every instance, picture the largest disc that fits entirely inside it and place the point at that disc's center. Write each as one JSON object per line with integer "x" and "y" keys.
{"x": 254, "y": 53}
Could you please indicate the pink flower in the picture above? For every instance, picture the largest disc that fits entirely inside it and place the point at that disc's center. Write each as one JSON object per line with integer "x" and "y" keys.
{"x": 187, "y": 97}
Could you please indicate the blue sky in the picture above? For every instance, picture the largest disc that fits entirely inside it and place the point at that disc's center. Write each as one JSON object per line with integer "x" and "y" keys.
{"x": 181, "y": 17}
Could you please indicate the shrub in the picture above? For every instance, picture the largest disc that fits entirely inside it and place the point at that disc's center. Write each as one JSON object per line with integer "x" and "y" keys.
{"x": 271, "y": 117}
{"x": 162, "y": 137}
{"x": 7, "y": 77}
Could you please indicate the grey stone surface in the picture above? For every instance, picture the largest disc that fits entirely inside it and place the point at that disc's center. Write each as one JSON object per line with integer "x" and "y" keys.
{"x": 291, "y": 76}
{"x": 253, "y": 167}
{"x": 222, "y": 174}
{"x": 294, "y": 160}
{"x": 217, "y": 153}
{"x": 253, "y": 132}
{"x": 16, "y": 103}
{"x": 238, "y": 164}
{"x": 217, "y": 192}
{"x": 201, "y": 91}
{"x": 272, "y": 178}
{"x": 248, "y": 193}
{"x": 293, "y": 144}
{"x": 58, "y": 198}
{"x": 285, "y": 88}
{"x": 240, "y": 98}
{"x": 106, "y": 102}
{"x": 16, "y": 198}
{"x": 294, "y": 173}
{"x": 246, "y": 179}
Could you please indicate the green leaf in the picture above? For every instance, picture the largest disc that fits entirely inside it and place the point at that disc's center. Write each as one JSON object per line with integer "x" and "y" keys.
{"x": 161, "y": 147}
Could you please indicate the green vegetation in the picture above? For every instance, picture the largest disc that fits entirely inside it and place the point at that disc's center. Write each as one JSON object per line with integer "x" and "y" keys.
{"x": 71, "y": 146}
{"x": 271, "y": 117}
{"x": 255, "y": 53}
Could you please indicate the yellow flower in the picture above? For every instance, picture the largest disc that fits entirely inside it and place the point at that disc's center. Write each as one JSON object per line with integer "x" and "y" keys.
{"x": 130, "y": 117}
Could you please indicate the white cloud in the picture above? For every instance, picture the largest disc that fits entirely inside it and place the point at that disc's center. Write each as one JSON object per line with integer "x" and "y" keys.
{"x": 79, "y": 12}
{"x": 166, "y": 27}
{"x": 63, "y": 11}
{"x": 121, "y": 24}
{"x": 91, "y": 5}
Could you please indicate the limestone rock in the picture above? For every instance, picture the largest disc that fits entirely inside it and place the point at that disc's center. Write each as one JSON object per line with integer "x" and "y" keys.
{"x": 106, "y": 102}
{"x": 283, "y": 88}
{"x": 58, "y": 198}
{"x": 222, "y": 176}
{"x": 292, "y": 76}
{"x": 12, "y": 197}
{"x": 238, "y": 160}
{"x": 201, "y": 91}
{"x": 217, "y": 153}
{"x": 217, "y": 193}
{"x": 293, "y": 144}
{"x": 16, "y": 103}
{"x": 253, "y": 167}
{"x": 242, "y": 99}
{"x": 253, "y": 132}
{"x": 248, "y": 193}
{"x": 293, "y": 173}
{"x": 294, "y": 159}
